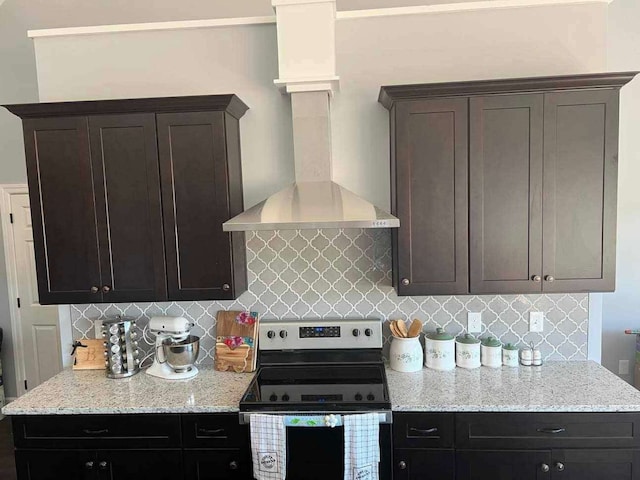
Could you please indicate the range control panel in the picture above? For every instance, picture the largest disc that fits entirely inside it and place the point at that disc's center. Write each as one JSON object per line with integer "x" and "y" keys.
{"x": 318, "y": 334}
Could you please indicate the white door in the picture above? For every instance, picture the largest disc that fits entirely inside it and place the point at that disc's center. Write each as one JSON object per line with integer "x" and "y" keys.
{"x": 41, "y": 349}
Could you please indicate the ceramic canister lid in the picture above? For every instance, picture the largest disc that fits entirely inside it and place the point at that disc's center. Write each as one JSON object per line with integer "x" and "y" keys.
{"x": 510, "y": 346}
{"x": 467, "y": 338}
{"x": 439, "y": 334}
{"x": 491, "y": 342}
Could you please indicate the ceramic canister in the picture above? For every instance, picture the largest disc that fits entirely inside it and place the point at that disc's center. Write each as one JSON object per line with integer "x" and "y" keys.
{"x": 510, "y": 355}
{"x": 491, "y": 352}
{"x": 467, "y": 351}
{"x": 405, "y": 354}
{"x": 440, "y": 350}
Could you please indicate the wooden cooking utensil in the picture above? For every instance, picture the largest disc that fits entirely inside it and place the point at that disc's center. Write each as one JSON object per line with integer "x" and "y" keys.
{"x": 402, "y": 328}
{"x": 415, "y": 328}
{"x": 394, "y": 328}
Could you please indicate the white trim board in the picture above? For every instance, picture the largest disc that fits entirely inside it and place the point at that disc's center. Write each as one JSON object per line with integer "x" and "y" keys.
{"x": 267, "y": 20}
{"x": 12, "y": 279}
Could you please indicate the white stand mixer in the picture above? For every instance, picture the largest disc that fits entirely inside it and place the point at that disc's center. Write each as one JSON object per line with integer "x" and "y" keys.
{"x": 169, "y": 332}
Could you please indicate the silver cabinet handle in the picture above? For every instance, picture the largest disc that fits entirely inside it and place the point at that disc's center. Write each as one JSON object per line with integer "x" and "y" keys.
{"x": 226, "y": 287}
{"x": 103, "y": 465}
{"x": 551, "y": 430}
{"x": 536, "y": 278}
{"x": 106, "y": 289}
{"x": 549, "y": 278}
{"x": 544, "y": 467}
{"x": 560, "y": 466}
{"x": 402, "y": 465}
{"x": 405, "y": 281}
{"x": 233, "y": 465}
{"x": 94, "y": 289}
{"x": 426, "y": 431}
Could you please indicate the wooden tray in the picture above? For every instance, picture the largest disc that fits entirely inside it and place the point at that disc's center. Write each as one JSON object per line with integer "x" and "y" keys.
{"x": 236, "y": 341}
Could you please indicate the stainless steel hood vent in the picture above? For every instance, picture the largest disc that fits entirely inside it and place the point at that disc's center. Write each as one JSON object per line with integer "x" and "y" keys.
{"x": 314, "y": 201}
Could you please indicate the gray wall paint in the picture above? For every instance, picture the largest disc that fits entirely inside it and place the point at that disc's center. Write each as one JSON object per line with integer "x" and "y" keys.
{"x": 621, "y": 309}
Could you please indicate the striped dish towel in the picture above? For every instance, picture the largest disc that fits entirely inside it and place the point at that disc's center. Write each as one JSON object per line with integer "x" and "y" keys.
{"x": 268, "y": 447}
{"x": 361, "y": 446}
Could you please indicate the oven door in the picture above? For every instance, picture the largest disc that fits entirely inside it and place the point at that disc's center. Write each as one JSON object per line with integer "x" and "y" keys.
{"x": 317, "y": 453}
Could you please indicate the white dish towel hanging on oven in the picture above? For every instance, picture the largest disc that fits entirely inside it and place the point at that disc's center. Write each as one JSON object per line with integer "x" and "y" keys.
{"x": 361, "y": 446}
{"x": 268, "y": 447}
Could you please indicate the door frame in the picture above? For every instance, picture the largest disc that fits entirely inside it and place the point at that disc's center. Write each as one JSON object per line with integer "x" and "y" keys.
{"x": 12, "y": 278}
{"x": 64, "y": 318}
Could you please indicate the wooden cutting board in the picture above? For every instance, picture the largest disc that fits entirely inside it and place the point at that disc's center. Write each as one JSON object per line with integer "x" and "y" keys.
{"x": 236, "y": 341}
{"x": 90, "y": 357}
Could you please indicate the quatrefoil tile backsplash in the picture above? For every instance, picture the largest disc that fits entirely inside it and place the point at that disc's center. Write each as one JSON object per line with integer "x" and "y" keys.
{"x": 334, "y": 273}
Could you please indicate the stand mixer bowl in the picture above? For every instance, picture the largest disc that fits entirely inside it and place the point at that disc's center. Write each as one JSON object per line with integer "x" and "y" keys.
{"x": 181, "y": 355}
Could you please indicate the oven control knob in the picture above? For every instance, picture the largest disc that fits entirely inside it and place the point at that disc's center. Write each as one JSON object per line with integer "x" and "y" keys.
{"x": 371, "y": 397}
{"x": 285, "y": 398}
{"x": 271, "y": 334}
{"x": 273, "y": 397}
{"x": 358, "y": 397}
{"x": 283, "y": 334}
{"x": 368, "y": 332}
{"x": 355, "y": 332}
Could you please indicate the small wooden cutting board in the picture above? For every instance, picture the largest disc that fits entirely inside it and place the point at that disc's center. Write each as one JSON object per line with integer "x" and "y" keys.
{"x": 90, "y": 356}
{"x": 236, "y": 341}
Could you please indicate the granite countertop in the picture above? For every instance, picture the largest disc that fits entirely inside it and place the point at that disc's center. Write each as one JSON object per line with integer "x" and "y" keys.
{"x": 556, "y": 386}
{"x": 91, "y": 392}
{"x": 562, "y": 386}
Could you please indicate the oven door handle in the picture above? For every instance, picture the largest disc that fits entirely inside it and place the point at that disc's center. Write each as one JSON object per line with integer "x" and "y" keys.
{"x": 314, "y": 419}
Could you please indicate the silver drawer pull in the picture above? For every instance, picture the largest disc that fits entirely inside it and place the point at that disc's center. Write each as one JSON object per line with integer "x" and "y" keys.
{"x": 551, "y": 430}
{"x": 205, "y": 431}
{"x": 426, "y": 431}
{"x": 86, "y": 431}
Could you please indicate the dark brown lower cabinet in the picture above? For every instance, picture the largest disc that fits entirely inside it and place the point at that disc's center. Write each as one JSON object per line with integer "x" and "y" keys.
{"x": 99, "y": 464}
{"x": 216, "y": 465}
{"x": 417, "y": 464}
{"x": 592, "y": 464}
{"x": 502, "y": 464}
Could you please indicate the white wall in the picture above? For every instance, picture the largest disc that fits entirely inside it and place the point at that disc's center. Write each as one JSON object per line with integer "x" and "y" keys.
{"x": 621, "y": 309}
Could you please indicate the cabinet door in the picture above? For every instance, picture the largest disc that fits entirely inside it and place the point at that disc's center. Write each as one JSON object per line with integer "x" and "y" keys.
{"x": 505, "y": 212}
{"x": 503, "y": 465}
{"x": 430, "y": 197}
{"x": 138, "y": 464}
{"x": 216, "y": 465}
{"x": 193, "y": 166}
{"x": 421, "y": 464}
{"x": 61, "y": 194}
{"x": 127, "y": 183}
{"x": 56, "y": 464}
{"x": 580, "y": 190}
{"x": 611, "y": 464}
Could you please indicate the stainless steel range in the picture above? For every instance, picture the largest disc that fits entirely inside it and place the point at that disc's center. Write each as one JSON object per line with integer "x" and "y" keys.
{"x": 321, "y": 368}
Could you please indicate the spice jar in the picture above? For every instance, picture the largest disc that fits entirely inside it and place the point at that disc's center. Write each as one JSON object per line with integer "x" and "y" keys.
{"x": 440, "y": 350}
{"x": 491, "y": 352}
{"x": 467, "y": 351}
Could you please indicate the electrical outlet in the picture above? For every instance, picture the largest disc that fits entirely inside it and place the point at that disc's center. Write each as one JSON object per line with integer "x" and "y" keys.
{"x": 474, "y": 322}
{"x": 536, "y": 321}
{"x": 623, "y": 367}
{"x": 97, "y": 328}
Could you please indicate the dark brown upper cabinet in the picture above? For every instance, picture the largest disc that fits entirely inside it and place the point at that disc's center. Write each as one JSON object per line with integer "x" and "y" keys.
{"x": 540, "y": 158}
{"x": 129, "y": 196}
{"x": 429, "y": 188}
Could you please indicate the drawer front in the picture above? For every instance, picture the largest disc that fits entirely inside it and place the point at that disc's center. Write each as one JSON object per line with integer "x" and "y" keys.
{"x": 547, "y": 430}
{"x": 213, "y": 431}
{"x": 97, "y": 431}
{"x": 423, "y": 430}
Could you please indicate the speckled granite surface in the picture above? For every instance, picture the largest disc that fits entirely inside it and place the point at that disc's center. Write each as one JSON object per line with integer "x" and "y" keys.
{"x": 91, "y": 392}
{"x": 555, "y": 387}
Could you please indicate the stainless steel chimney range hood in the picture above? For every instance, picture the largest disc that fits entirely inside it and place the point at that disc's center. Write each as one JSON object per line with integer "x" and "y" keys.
{"x": 307, "y": 72}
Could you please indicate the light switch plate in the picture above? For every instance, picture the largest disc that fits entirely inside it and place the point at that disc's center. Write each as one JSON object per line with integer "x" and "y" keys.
{"x": 623, "y": 367}
{"x": 474, "y": 322}
{"x": 536, "y": 321}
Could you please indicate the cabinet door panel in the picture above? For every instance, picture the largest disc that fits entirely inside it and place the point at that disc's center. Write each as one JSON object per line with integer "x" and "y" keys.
{"x": 195, "y": 203}
{"x": 56, "y": 464}
{"x": 431, "y": 197}
{"x": 63, "y": 213}
{"x": 505, "y": 194}
{"x": 502, "y": 465}
{"x": 227, "y": 464}
{"x": 127, "y": 179}
{"x": 580, "y": 190}
{"x": 421, "y": 464}
{"x": 137, "y": 464}
{"x": 592, "y": 464}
